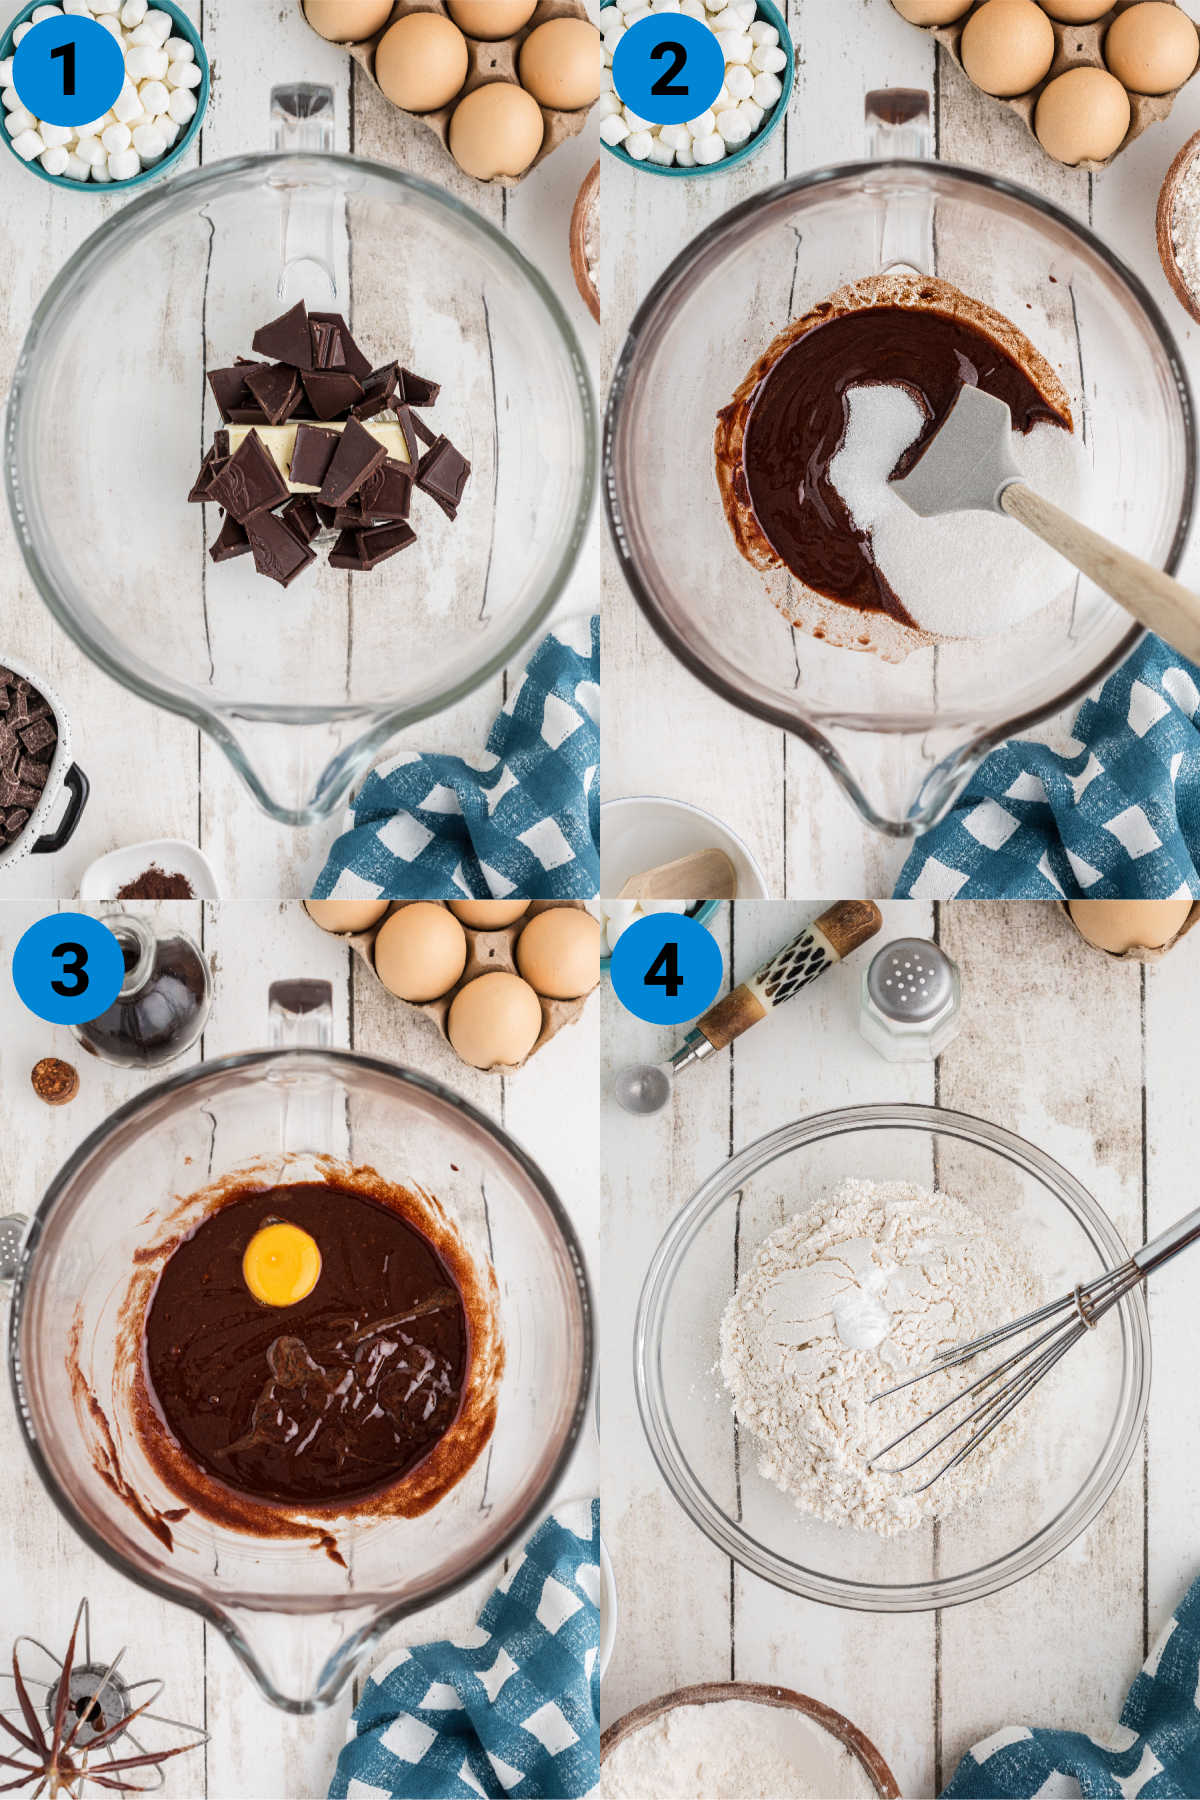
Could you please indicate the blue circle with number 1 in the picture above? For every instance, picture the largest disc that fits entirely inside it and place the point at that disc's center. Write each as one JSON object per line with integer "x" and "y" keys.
{"x": 68, "y": 71}
{"x": 666, "y": 969}
{"x": 668, "y": 68}
{"x": 68, "y": 968}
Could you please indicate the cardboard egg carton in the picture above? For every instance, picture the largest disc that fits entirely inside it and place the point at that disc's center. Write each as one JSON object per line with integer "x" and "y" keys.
{"x": 488, "y": 62}
{"x": 1076, "y": 47}
{"x": 487, "y": 952}
{"x": 1139, "y": 953}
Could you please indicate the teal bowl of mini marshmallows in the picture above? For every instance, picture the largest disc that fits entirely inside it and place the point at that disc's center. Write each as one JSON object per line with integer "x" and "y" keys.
{"x": 759, "y": 76}
{"x": 152, "y": 123}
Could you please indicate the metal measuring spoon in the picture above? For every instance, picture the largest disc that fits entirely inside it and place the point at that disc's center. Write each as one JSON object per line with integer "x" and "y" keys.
{"x": 647, "y": 1087}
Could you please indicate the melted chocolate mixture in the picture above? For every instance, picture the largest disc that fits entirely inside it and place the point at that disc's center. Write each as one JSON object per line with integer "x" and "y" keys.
{"x": 333, "y": 1398}
{"x": 797, "y": 425}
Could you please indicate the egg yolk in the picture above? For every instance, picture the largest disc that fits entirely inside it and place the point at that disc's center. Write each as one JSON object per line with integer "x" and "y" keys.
{"x": 281, "y": 1265}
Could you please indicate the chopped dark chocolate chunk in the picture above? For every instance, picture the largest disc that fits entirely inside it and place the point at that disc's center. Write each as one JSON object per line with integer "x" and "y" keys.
{"x": 38, "y": 735}
{"x": 416, "y": 390}
{"x": 14, "y": 825}
{"x": 442, "y": 474}
{"x": 312, "y": 455}
{"x": 379, "y": 392}
{"x": 212, "y": 465}
{"x": 287, "y": 339}
{"x": 364, "y": 550}
{"x": 347, "y": 353}
{"x": 229, "y": 388}
{"x": 300, "y": 516}
{"x": 31, "y": 773}
{"x": 229, "y": 542}
{"x": 327, "y": 350}
{"x": 357, "y": 456}
{"x": 248, "y": 415}
{"x": 387, "y": 493}
{"x": 250, "y": 482}
{"x": 28, "y": 743}
{"x": 276, "y": 387}
{"x": 278, "y": 552}
{"x": 326, "y": 514}
{"x": 331, "y": 392}
{"x": 414, "y": 426}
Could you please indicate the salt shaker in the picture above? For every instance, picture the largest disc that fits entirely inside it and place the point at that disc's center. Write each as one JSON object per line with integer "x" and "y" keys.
{"x": 911, "y": 998}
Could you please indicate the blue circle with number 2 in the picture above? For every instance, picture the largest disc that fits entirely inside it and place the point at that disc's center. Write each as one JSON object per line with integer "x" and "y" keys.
{"x": 666, "y": 969}
{"x": 668, "y": 68}
{"x": 68, "y": 71}
{"x": 68, "y": 968}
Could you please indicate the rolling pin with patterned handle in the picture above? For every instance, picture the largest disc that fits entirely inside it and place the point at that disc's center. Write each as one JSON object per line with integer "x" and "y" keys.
{"x": 840, "y": 930}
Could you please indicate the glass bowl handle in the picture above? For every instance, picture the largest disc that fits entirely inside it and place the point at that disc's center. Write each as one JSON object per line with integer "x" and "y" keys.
{"x": 899, "y": 128}
{"x": 302, "y": 126}
{"x": 299, "y": 1019}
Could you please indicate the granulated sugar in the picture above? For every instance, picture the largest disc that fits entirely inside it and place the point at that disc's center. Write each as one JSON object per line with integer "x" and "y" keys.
{"x": 733, "y": 1750}
{"x": 841, "y": 1302}
{"x": 966, "y": 574}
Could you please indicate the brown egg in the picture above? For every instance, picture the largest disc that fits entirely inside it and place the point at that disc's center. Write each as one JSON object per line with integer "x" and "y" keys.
{"x": 497, "y": 130}
{"x": 1082, "y": 116}
{"x": 1007, "y": 46}
{"x": 345, "y": 915}
{"x": 1121, "y": 925}
{"x": 491, "y": 19}
{"x": 558, "y": 953}
{"x": 562, "y": 64}
{"x": 931, "y": 12}
{"x": 489, "y": 915}
{"x": 421, "y": 62}
{"x": 347, "y": 21}
{"x": 1077, "y": 12}
{"x": 1152, "y": 48}
{"x": 421, "y": 951}
{"x": 495, "y": 1019}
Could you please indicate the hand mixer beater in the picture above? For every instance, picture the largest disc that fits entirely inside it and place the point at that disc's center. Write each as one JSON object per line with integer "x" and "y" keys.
{"x": 1056, "y": 1327}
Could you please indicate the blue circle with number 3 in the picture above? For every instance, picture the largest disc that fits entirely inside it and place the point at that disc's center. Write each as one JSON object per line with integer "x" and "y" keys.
{"x": 68, "y": 968}
{"x": 666, "y": 969}
{"x": 68, "y": 71}
{"x": 668, "y": 68}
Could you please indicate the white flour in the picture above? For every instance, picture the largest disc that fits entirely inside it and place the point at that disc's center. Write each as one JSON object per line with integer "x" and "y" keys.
{"x": 1185, "y": 227}
{"x": 733, "y": 1750}
{"x": 964, "y": 575}
{"x": 840, "y": 1302}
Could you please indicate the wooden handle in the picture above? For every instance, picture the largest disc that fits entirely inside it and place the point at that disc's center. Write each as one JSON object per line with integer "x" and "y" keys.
{"x": 1154, "y": 598}
{"x": 818, "y": 947}
{"x": 850, "y": 924}
{"x": 737, "y": 1012}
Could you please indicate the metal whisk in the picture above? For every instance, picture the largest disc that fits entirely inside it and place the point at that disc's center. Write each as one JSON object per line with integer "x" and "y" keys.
{"x": 1002, "y": 1388}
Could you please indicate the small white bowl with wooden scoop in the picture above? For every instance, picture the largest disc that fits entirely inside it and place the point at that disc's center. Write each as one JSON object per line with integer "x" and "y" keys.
{"x": 968, "y": 466}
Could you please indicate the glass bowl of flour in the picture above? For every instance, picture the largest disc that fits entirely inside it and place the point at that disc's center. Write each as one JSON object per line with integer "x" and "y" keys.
{"x": 825, "y": 1262}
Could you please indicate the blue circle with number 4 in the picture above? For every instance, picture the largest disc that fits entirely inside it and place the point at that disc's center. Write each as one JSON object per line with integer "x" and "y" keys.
{"x": 668, "y": 68}
{"x": 68, "y": 968}
{"x": 68, "y": 71}
{"x": 666, "y": 969}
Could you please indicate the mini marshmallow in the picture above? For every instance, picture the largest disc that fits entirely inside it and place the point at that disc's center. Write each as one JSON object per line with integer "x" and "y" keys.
{"x": 135, "y": 119}
{"x": 675, "y": 137}
{"x": 149, "y": 143}
{"x": 738, "y": 47}
{"x": 160, "y": 23}
{"x": 638, "y": 145}
{"x": 768, "y": 59}
{"x": 75, "y": 169}
{"x": 767, "y": 89}
{"x": 612, "y": 21}
{"x": 117, "y": 137}
{"x": 100, "y": 6}
{"x": 142, "y": 63}
{"x": 709, "y": 149}
{"x": 715, "y": 6}
{"x": 692, "y": 9}
{"x": 95, "y": 127}
{"x": 179, "y": 50}
{"x": 133, "y": 12}
{"x": 188, "y": 75}
{"x": 684, "y": 159}
{"x": 606, "y": 105}
{"x": 739, "y": 82}
{"x": 21, "y": 31}
{"x": 56, "y": 135}
{"x": 636, "y": 123}
{"x": 75, "y": 6}
{"x": 124, "y": 165}
{"x": 155, "y": 97}
{"x": 10, "y": 99}
{"x": 171, "y": 128}
{"x": 703, "y": 124}
{"x": 40, "y": 14}
{"x": 100, "y": 172}
{"x": 640, "y": 12}
{"x": 126, "y": 103}
{"x": 752, "y": 111}
{"x": 665, "y": 6}
{"x": 28, "y": 144}
{"x": 54, "y": 159}
{"x": 762, "y": 33}
{"x": 732, "y": 126}
{"x": 91, "y": 151}
{"x": 661, "y": 153}
{"x": 18, "y": 120}
{"x": 183, "y": 102}
{"x": 6, "y": 69}
{"x": 112, "y": 25}
{"x": 613, "y": 129}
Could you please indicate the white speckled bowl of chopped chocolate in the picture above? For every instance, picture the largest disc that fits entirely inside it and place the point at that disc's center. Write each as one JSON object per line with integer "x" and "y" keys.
{"x": 35, "y": 767}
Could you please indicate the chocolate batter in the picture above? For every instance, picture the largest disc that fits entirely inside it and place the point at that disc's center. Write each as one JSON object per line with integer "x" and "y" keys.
{"x": 797, "y": 419}
{"x": 332, "y": 1399}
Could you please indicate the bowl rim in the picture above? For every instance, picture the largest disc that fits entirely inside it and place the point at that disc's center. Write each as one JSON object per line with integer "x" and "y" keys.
{"x": 862, "y": 1596}
{"x": 213, "y": 714}
{"x": 164, "y": 163}
{"x": 383, "y": 1617}
{"x": 812, "y": 728}
{"x": 772, "y": 15}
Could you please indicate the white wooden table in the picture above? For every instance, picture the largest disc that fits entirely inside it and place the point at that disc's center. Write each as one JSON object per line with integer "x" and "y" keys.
{"x": 663, "y": 726}
{"x": 1085, "y": 1056}
{"x": 194, "y": 793}
{"x": 255, "y": 1752}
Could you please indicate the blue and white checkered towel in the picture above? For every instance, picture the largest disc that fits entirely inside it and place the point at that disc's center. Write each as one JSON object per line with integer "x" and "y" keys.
{"x": 1116, "y": 817}
{"x": 1154, "y": 1752}
{"x": 522, "y": 819}
{"x": 511, "y": 1709}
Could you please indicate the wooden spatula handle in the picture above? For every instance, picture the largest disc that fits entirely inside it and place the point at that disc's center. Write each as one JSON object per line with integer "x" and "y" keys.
{"x": 826, "y": 941}
{"x": 1154, "y": 598}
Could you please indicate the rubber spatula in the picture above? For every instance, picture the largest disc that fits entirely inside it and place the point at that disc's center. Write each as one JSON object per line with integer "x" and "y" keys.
{"x": 967, "y": 466}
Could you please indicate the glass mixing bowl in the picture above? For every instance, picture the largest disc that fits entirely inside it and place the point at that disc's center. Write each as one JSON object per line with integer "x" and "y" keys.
{"x": 1089, "y": 1414}
{"x": 110, "y": 414}
{"x": 297, "y": 1620}
{"x": 901, "y": 738}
